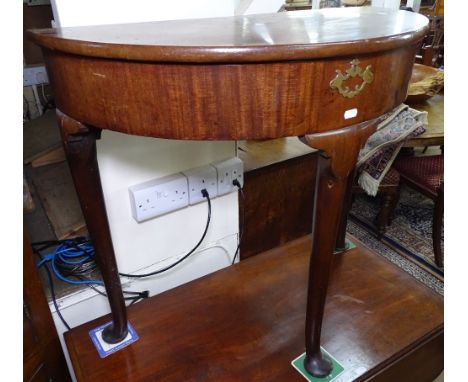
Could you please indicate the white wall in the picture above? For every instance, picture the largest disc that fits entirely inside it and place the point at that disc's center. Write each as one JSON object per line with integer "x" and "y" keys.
{"x": 392, "y": 4}
{"x": 69, "y": 13}
{"x": 128, "y": 160}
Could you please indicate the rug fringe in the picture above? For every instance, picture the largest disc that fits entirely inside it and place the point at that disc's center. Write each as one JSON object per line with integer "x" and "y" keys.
{"x": 369, "y": 184}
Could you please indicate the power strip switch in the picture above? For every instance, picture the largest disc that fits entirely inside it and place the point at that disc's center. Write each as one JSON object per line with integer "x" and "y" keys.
{"x": 229, "y": 170}
{"x": 158, "y": 197}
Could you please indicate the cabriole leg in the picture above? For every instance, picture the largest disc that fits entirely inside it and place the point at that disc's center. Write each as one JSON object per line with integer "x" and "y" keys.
{"x": 79, "y": 142}
{"x": 339, "y": 151}
{"x": 340, "y": 245}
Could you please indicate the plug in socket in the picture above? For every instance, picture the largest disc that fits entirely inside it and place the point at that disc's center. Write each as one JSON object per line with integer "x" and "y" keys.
{"x": 237, "y": 171}
{"x": 158, "y": 197}
{"x": 228, "y": 170}
{"x": 201, "y": 178}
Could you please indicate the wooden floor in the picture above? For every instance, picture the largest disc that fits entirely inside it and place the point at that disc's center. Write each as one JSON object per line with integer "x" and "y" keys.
{"x": 246, "y": 323}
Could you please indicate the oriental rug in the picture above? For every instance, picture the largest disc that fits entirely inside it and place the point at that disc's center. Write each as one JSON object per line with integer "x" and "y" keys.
{"x": 407, "y": 241}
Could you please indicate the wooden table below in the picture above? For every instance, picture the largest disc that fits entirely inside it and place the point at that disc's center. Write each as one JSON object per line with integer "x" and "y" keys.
{"x": 246, "y": 323}
{"x": 434, "y": 135}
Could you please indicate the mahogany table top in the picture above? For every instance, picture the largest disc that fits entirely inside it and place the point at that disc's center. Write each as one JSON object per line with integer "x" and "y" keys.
{"x": 243, "y": 77}
{"x": 268, "y": 37}
{"x": 246, "y": 323}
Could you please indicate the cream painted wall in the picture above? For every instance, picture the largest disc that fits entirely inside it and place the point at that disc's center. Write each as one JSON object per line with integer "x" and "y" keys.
{"x": 69, "y": 13}
{"x": 128, "y": 160}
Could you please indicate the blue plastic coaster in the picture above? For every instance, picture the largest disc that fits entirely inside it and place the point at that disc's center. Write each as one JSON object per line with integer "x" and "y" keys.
{"x": 104, "y": 349}
{"x": 337, "y": 369}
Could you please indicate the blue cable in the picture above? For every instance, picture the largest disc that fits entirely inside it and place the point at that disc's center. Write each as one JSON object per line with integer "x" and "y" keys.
{"x": 74, "y": 282}
{"x": 71, "y": 253}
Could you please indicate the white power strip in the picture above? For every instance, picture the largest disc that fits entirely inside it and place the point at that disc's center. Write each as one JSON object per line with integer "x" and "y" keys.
{"x": 160, "y": 196}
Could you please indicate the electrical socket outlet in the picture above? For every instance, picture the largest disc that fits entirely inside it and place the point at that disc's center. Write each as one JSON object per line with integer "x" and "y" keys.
{"x": 201, "y": 178}
{"x": 237, "y": 170}
{"x": 158, "y": 197}
{"x": 228, "y": 170}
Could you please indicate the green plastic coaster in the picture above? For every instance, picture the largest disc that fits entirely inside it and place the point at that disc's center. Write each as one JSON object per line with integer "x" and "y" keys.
{"x": 349, "y": 245}
{"x": 337, "y": 369}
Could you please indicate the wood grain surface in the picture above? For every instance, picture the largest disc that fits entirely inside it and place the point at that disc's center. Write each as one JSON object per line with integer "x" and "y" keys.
{"x": 216, "y": 79}
{"x": 434, "y": 134}
{"x": 246, "y": 323}
{"x": 43, "y": 358}
{"x": 223, "y": 102}
{"x": 282, "y": 36}
{"x": 263, "y": 153}
{"x": 279, "y": 185}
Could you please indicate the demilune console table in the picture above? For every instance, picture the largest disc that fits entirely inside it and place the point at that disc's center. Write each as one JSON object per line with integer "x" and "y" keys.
{"x": 324, "y": 75}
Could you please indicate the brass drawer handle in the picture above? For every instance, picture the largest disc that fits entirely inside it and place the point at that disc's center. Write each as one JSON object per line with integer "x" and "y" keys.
{"x": 355, "y": 70}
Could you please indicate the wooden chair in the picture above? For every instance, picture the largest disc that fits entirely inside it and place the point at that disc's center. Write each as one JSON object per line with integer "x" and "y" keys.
{"x": 425, "y": 174}
{"x": 432, "y": 49}
{"x": 389, "y": 189}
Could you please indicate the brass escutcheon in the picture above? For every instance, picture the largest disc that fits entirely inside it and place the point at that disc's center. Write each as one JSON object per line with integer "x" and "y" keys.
{"x": 355, "y": 70}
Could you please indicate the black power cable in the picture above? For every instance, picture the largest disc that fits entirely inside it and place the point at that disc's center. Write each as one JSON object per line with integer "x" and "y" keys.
{"x": 207, "y": 196}
{"x": 236, "y": 183}
{"x": 137, "y": 295}
{"x": 80, "y": 271}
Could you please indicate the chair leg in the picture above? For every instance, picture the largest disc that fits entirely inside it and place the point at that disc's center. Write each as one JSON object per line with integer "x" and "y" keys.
{"x": 384, "y": 217}
{"x": 437, "y": 226}
{"x": 395, "y": 200}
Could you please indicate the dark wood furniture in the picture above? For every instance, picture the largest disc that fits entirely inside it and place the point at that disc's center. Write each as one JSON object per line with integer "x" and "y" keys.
{"x": 426, "y": 175}
{"x": 434, "y": 134}
{"x": 389, "y": 188}
{"x": 279, "y": 184}
{"x": 245, "y": 77}
{"x": 432, "y": 49}
{"x": 43, "y": 358}
{"x": 246, "y": 323}
{"x": 34, "y": 17}
{"x": 389, "y": 191}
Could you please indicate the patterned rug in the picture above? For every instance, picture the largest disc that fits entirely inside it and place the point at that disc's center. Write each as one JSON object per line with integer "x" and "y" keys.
{"x": 408, "y": 241}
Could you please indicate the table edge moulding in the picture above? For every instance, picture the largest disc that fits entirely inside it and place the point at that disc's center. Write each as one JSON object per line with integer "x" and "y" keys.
{"x": 324, "y": 75}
